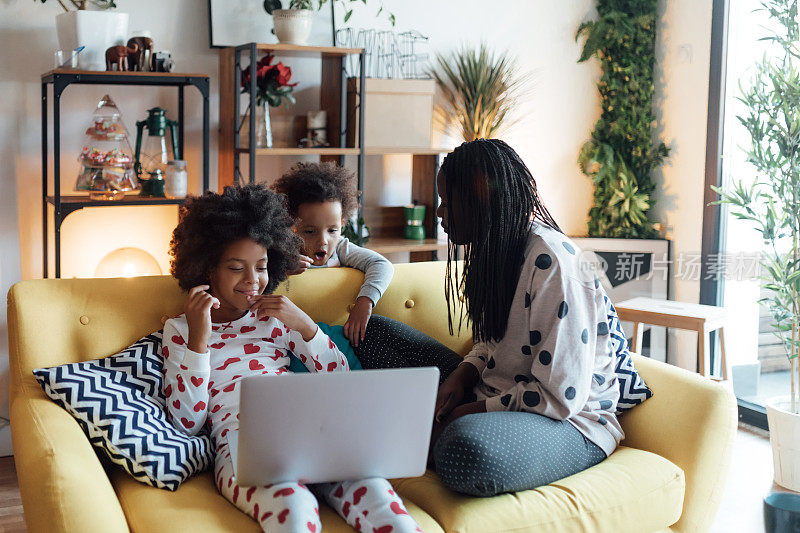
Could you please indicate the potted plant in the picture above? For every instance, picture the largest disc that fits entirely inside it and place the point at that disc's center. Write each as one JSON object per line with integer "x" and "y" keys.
{"x": 293, "y": 25}
{"x": 272, "y": 89}
{"x": 772, "y": 204}
{"x": 95, "y": 29}
{"x": 479, "y": 90}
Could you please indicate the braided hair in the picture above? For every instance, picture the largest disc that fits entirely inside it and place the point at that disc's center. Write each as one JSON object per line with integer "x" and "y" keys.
{"x": 492, "y": 199}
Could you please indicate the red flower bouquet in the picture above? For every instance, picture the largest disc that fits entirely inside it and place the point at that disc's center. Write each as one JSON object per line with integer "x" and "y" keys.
{"x": 272, "y": 82}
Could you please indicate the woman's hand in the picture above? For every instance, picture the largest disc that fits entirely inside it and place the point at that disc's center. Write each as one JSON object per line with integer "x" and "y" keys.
{"x": 451, "y": 392}
{"x": 303, "y": 264}
{"x": 466, "y": 409}
{"x": 286, "y": 311}
{"x": 450, "y": 396}
{"x": 198, "y": 316}
{"x": 356, "y": 324}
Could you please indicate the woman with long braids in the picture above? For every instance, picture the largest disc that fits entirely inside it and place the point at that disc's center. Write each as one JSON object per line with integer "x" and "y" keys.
{"x": 534, "y": 401}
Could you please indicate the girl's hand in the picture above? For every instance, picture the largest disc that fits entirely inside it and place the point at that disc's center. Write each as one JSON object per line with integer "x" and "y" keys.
{"x": 198, "y": 316}
{"x": 303, "y": 264}
{"x": 286, "y": 311}
{"x": 356, "y": 324}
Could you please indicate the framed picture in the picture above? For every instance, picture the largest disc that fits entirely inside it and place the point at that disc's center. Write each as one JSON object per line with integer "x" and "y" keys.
{"x": 235, "y": 22}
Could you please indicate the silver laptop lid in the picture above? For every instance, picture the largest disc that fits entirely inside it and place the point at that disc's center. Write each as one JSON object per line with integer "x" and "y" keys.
{"x": 335, "y": 426}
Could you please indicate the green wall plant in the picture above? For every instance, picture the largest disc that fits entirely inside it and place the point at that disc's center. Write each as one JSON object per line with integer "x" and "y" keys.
{"x": 621, "y": 154}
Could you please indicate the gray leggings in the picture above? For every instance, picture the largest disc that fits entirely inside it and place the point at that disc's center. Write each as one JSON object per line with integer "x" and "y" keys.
{"x": 487, "y": 453}
{"x": 506, "y": 451}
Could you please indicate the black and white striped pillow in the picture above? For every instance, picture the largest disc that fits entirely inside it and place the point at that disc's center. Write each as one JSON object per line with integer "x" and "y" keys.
{"x": 632, "y": 388}
{"x": 119, "y": 404}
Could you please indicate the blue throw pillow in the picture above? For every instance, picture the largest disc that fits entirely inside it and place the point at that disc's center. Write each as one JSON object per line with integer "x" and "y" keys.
{"x": 336, "y": 333}
{"x": 632, "y": 388}
{"x": 119, "y": 404}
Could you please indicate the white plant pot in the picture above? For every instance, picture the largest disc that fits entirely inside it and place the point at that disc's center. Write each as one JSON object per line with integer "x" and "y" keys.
{"x": 292, "y": 26}
{"x": 784, "y": 436}
{"x": 96, "y": 30}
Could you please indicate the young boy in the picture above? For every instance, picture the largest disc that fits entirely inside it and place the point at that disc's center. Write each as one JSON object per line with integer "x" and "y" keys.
{"x": 321, "y": 197}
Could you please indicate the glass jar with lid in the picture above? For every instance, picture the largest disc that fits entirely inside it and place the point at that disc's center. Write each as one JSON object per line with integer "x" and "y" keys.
{"x": 106, "y": 159}
{"x": 176, "y": 181}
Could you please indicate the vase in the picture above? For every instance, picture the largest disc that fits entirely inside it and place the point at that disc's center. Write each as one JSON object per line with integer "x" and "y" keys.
{"x": 292, "y": 26}
{"x": 263, "y": 128}
{"x": 95, "y": 30}
{"x": 784, "y": 436}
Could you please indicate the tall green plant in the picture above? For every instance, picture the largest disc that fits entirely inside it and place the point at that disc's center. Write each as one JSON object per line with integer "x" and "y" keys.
{"x": 480, "y": 89}
{"x": 621, "y": 154}
{"x": 772, "y": 201}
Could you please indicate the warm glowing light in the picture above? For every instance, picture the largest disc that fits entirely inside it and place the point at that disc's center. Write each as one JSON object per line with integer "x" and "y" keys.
{"x": 127, "y": 263}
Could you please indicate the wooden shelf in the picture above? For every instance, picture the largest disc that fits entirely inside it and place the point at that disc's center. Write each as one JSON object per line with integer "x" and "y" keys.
{"x": 302, "y": 151}
{"x": 387, "y": 150}
{"x": 387, "y": 245}
{"x": 299, "y": 50}
{"x": 129, "y": 199}
{"x": 107, "y": 75}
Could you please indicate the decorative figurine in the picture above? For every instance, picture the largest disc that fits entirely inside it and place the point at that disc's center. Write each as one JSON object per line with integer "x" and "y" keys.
{"x": 118, "y": 56}
{"x": 140, "y": 59}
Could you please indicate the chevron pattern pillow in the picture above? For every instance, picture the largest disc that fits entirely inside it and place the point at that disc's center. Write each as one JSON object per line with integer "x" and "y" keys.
{"x": 632, "y": 388}
{"x": 119, "y": 404}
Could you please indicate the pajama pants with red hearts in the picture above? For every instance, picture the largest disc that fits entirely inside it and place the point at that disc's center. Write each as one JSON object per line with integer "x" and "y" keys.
{"x": 368, "y": 505}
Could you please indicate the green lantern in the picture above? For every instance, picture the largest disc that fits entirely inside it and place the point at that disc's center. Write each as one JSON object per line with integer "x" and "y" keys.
{"x": 151, "y": 155}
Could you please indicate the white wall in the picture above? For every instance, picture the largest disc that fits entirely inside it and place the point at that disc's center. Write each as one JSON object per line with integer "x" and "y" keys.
{"x": 555, "y": 119}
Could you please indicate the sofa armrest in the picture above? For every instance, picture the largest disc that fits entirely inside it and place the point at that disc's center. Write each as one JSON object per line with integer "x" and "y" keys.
{"x": 691, "y": 421}
{"x": 62, "y": 482}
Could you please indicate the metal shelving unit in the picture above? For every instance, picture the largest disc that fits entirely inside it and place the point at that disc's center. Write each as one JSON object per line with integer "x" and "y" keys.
{"x": 60, "y": 79}
{"x": 385, "y": 222}
{"x": 333, "y": 98}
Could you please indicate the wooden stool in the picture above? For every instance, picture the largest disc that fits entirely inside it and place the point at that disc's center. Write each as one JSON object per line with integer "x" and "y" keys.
{"x": 694, "y": 317}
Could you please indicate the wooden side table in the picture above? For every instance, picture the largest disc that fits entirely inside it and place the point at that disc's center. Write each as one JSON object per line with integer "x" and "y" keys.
{"x": 694, "y": 317}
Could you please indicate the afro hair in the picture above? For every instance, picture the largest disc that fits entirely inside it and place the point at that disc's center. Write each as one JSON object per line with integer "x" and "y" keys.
{"x": 211, "y": 222}
{"x": 318, "y": 182}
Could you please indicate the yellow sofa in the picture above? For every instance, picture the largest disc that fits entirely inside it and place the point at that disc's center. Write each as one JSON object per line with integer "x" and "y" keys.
{"x": 668, "y": 475}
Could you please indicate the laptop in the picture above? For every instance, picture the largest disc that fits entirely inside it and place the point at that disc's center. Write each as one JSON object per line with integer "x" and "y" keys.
{"x": 335, "y": 426}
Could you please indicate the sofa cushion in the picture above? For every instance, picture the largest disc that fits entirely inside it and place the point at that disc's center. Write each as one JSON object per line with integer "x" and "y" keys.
{"x": 632, "y": 388}
{"x": 119, "y": 404}
{"x": 197, "y": 507}
{"x": 632, "y": 490}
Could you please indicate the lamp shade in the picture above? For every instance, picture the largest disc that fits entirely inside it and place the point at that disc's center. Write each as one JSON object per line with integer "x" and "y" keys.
{"x": 127, "y": 263}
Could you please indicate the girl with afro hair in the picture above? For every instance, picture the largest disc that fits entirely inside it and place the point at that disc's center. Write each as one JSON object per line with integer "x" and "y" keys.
{"x": 229, "y": 252}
